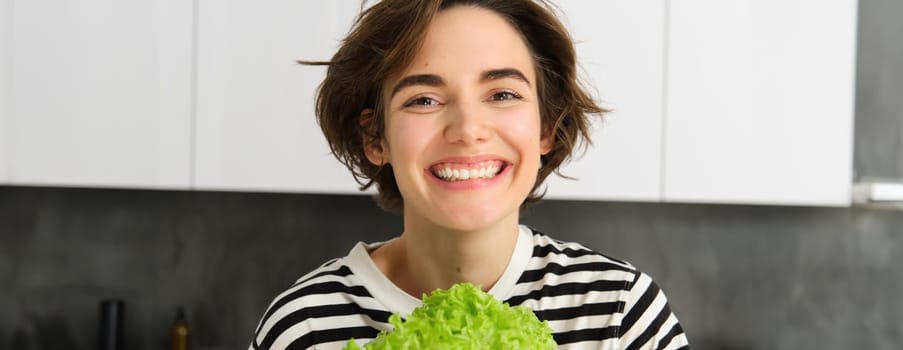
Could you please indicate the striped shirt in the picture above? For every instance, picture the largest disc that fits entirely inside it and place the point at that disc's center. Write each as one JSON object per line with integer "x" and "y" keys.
{"x": 591, "y": 301}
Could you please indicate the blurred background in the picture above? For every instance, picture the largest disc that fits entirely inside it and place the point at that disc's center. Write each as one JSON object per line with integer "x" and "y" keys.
{"x": 742, "y": 267}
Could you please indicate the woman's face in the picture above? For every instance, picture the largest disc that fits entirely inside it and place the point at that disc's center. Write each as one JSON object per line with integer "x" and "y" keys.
{"x": 463, "y": 131}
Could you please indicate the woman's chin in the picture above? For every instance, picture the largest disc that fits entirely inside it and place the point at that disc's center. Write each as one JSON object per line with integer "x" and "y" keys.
{"x": 472, "y": 218}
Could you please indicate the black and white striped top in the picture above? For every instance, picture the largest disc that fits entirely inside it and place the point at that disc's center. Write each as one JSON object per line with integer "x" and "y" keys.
{"x": 591, "y": 301}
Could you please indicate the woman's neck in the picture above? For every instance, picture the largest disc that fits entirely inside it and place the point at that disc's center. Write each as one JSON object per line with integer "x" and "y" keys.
{"x": 427, "y": 257}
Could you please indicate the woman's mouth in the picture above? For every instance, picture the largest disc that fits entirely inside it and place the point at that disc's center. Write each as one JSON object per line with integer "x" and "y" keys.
{"x": 454, "y": 172}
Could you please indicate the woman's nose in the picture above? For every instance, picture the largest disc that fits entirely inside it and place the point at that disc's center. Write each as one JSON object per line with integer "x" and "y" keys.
{"x": 467, "y": 124}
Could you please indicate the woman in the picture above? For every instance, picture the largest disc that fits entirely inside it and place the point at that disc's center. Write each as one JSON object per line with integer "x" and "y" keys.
{"x": 457, "y": 111}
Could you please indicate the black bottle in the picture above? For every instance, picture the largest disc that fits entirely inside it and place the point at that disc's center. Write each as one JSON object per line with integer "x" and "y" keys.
{"x": 112, "y": 313}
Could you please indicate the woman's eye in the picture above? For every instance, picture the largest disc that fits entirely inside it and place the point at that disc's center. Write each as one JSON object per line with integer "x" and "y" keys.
{"x": 505, "y": 96}
{"x": 421, "y": 102}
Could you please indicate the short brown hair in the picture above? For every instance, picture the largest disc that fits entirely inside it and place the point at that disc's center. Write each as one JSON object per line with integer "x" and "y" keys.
{"x": 384, "y": 40}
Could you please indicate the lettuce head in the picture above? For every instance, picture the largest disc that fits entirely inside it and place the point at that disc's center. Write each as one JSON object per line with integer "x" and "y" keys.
{"x": 463, "y": 317}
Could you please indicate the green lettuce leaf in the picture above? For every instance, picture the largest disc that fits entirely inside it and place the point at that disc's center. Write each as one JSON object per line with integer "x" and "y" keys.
{"x": 464, "y": 317}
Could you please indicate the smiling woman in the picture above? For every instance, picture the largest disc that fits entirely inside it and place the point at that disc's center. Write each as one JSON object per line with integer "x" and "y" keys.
{"x": 394, "y": 32}
{"x": 477, "y": 110}
{"x": 457, "y": 111}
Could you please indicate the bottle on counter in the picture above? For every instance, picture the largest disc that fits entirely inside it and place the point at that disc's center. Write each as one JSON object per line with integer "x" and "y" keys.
{"x": 179, "y": 336}
{"x": 112, "y": 313}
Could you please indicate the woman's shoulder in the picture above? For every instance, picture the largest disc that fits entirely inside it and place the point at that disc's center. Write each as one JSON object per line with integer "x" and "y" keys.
{"x": 328, "y": 299}
{"x": 560, "y": 273}
{"x": 331, "y": 283}
{"x": 564, "y": 253}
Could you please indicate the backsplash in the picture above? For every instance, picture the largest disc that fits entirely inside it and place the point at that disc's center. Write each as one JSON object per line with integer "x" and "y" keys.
{"x": 220, "y": 255}
{"x": 739, "y": 277}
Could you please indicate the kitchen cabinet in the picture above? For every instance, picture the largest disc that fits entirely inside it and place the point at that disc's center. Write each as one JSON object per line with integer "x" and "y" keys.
{"x": 759, "y": 101}
{"x": 256, "y": 128}
{"x": 103, "y": 93}
{"x": 620, "y": 45}
{"x": 713, "y": 101}
{"x": 717, "y": 101}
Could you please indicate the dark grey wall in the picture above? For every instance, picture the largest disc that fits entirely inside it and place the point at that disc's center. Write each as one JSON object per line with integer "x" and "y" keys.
{"x": 223, "y": 256}
{"x": 879, "y": 89}
{"x": 739, "y": 277}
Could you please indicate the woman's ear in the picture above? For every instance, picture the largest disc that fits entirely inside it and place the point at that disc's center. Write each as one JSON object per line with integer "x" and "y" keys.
{"x": 545, "y": 144}
{"x": 547, "y": 140}
{"x": 374, "y": 148}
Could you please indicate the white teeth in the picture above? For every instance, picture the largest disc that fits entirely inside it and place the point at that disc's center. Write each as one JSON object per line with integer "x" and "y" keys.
{"x": 449, "y": 174}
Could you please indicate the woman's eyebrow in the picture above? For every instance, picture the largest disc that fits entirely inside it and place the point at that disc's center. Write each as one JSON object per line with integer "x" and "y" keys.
{"x": 495, "y": 74}
{"x": 435, "y": 80}
{"x": 419, "y": 79}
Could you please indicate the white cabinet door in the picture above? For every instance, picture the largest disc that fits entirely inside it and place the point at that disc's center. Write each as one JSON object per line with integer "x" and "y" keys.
{"x": 256, "y": 128}
{"x": 620, "y": 46}
{"x": 6, "y": 87}
{"x": 759, "y": 104}
{"x": 102, "y": 93}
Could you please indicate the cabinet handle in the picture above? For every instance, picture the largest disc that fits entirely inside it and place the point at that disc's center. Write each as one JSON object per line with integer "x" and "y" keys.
{"x": 879, "y": 193}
